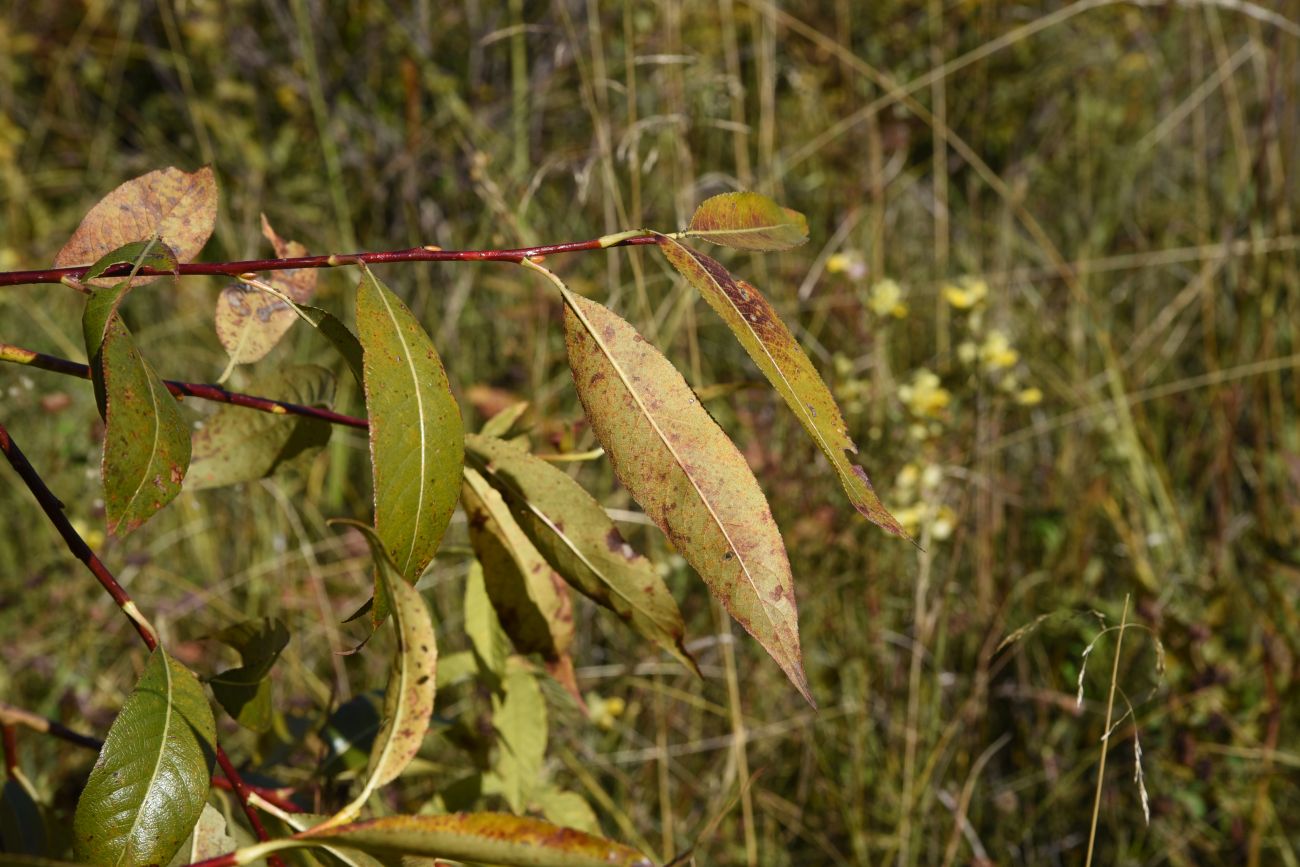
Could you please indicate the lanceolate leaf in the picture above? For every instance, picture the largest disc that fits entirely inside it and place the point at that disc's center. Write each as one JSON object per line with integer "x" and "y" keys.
{"x": 148, "y": 787}
{"x": 151, "y": 253}
{"x": 22, "y": 827}
{"x": 481, "y": 837}
{"x": 748, "y": 221}
{"x": 578, "y": 539}
{"x": 773, "y": 348}
{"x": 236, "y": 445}
{"x": 245, "y": 692}
{"x": 146, "y": 442}
{"x": 530, "y": 597}
{"x": 416, "y": 439}
{"x": 687, "y": 475}
{"x": 178, "y": 207}
{"x": 408, "y": 699}
{"x": 344, "y": 341}
{"x": 490, "y": 642}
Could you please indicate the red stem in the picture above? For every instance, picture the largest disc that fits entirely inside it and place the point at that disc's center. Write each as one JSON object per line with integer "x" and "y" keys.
{"x": 54, "y": 511}
{"x": 415, "y": 254}
{"x": 9, "y": 352}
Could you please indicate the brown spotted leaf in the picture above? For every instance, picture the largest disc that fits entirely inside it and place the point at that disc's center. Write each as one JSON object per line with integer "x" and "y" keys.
{"x": 178, "y": 207}
{"x": 748, "y": 221}
{"x": 408, "y": 699}
{"x": 578, "y": 539}
{"x": 686, "y": 474}
{"x": 773, "y": 348}
{"x": 146, "y": 440}
{"x": 530, "y": 598}
{"x": 249, "y": 322}
{"x": 417, "y": 444}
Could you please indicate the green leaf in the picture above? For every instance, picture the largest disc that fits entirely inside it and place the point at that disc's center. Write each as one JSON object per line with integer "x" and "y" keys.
{"x": 22, "y": 827}
{"x": 343, "y": 340}
{"x": 178, "y": 207}
{"x": 149, "y": 253}
{"x": 687, "y": 475}
{"x": 245, "y": 692}
{"x": 519, "y": 716}
{"x": 239, "y": 445}
{"x": 503, "y": 423}
{"x": 208, "y": 839}
{"x": 349, "y": 734}
{"x": 773, "y": 348}
{"x": 412, "y": 678}
{"x": 416, "y": 439}
{"x": 748, "y": 221}
{"x": 578, "y": 539}
{"x": 146, "y": 442}
{"x": 149, "y": 784}
{"x": 491, "y": 644}
{"x": 568, "y": 810}
{"x": 513, "y": 841}
{"x": 530, "y": 598}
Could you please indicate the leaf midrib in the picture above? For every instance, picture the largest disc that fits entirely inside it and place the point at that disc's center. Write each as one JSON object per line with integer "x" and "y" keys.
{"x": 167, "y": 717}
{"x": 157, "y": 430}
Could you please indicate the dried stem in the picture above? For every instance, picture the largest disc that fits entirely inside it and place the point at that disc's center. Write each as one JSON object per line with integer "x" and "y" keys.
{"x": 335, "y": 260}
{"x": 54, "y": 511}
{"x": 18, "y": 355}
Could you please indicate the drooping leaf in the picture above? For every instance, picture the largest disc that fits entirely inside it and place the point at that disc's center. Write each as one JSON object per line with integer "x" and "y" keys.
{"x": 208, "y": 839}
{"x": 686, "y": 474}
{"x": 249, "y": 322}
{"x": 408, "y": 699}
{"x": 416, "y": 439}
{"x": 343, "y": 340}
{"x": 238, "y": 445}
{"x": 578, "y": 539}
{"x": 490, "y": 642}
{"x": 530, "y": 598}
{"x": 245, "y": 692}
{"x": 513, "y": 841}
{"x": 178, "y": 207}
{"x": 748, "y": 221}
{"x": 146, "y": 441}
{"x": 149, "y": 784}
{"x": 773, "y": 348}
{"x": 149, "y": 253}
{"x": 22, "y": 827}
{"x": 519, "y": 716}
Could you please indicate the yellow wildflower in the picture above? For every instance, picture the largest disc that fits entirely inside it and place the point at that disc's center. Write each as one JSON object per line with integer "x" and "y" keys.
{"x": 966, "y": 293}
{"x": 887, "y": 299}
{"x": 924, "y": 396}
{"x": 967, "y": 351}
{"x": 996, "y": 352}
{"x": 1030, "y": 397}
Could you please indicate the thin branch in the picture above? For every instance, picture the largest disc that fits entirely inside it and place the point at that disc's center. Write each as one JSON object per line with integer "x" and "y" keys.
{"x": 18, "y": 355}
{"x": 54, "y": 511}
{"x": 335, "y": 260}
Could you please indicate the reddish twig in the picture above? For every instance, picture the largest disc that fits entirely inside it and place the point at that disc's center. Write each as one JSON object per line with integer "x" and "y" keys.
{"x": 415, "y": 254}
{"x": 54, "y": 511}
{"x": 9, "y": 735}
{"x": 18, "y": 355}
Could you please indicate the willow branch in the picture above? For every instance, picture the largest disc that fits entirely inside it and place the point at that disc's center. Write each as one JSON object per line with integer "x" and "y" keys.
{"x": 335, "y": 260}
{"x": 19, "y": 355}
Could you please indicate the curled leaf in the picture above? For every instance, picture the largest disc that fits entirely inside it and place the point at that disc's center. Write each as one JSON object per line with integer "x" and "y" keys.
{"x": 748, "y": 221}
{"x": 690, "y": 479}
{"x": 245, "y": 692}
{"x": 178, "y": 207}
{"x": 773, "y": 348}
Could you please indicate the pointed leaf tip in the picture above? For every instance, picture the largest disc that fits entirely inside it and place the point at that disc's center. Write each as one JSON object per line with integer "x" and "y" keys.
{"x": 748, "y": 221}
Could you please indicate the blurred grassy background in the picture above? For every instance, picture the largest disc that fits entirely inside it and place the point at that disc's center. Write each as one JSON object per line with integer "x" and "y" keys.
{"x": 1053, "y": 281}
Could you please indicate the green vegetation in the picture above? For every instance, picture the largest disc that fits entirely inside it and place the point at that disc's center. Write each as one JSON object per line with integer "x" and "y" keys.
{"x": 1052, "y": 282}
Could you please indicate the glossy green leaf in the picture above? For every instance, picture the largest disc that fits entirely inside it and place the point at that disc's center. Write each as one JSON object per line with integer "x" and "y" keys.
{"x": 245, "y": 692}
{"x": 239, "y": 445}
{"x": 530, "y": 598}
{"x": 519, "y": 716}
{"x": 208, "y": 839}
{"x": 571, "y": 530}
{"x": 22, "y": 827}
{"x": 149, "y": 253}
{"x": 773, "y": 348}
{"x": 412, "y": 678}
{"x": 690, "y": 479}
{"x": 748, "y": 221}
{"x": 416, "y": 439}
{"x": 146, "y": 441}
{"x": 178, "y": 207}
{"x": 512, "y": 841}
{"x": 149, "y": 784}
